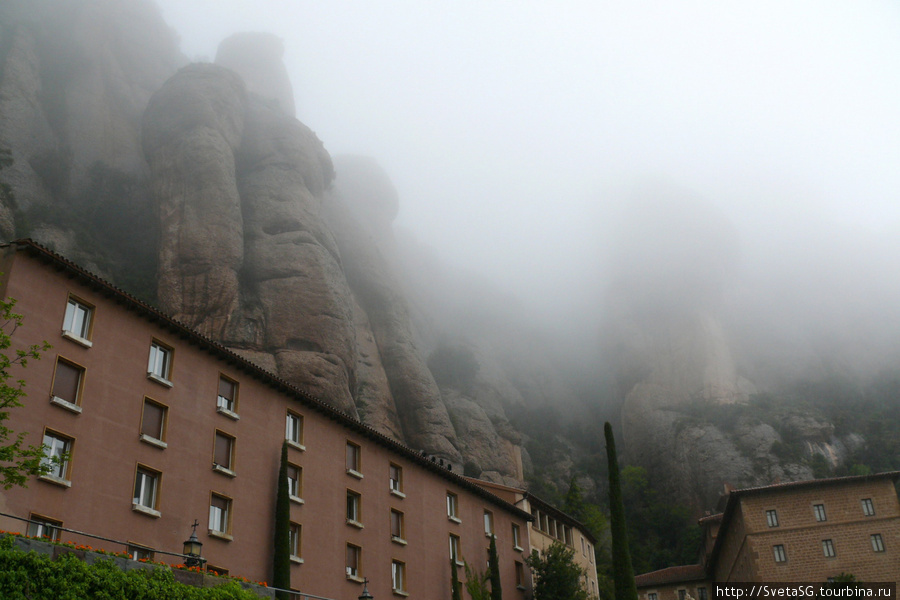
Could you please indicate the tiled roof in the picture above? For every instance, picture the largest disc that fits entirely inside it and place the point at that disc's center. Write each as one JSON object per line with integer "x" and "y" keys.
{"x": 671, "y": 575}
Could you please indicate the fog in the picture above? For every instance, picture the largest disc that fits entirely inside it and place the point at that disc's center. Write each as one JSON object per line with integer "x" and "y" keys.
{"x": 743, "y": 153}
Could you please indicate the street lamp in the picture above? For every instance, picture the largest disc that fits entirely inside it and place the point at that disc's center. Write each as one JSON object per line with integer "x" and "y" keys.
{"x": 192, "y": 548}
{"x": 366, "y": 595}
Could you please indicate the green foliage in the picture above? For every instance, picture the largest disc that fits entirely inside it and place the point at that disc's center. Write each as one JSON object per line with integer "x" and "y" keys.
{"x": 477, "y": 583}
{"x": 494, "y": 570}
{"x": 17, "y": 462}
{"x": 455, "y": 585}
{"x": 32, "y": 576}
{"x": 623, "y": 572}
{"x": 453, "y": 366}
{"x": 556, "y": 574}
{"x": 661, "y": 532}
{"x": 282, "y": 546}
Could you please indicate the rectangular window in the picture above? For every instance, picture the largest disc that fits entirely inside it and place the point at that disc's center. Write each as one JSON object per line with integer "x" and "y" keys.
{"x": 153, "y": 421}
{"x": 452, "y": 506}
{"x": 354, "y": 500}
{"x": 778, "y": 551}
{"x": 293, "y": 430}
{"x": 160, "y": 365}
{"x": 819, "y": 511}
{"x": 396, "y": 479}
{"x": 398, "y": 576}
{"x": 219, "y": 514}
{"x": 682, "y": 594}
{"x": 867, "y": 507}
{"x": 223, "y": 452}
{"x": 146, "y": 489}
{"x": 354, "y": 560}
{"x": 828, "y": 548}
{"x": 42, "y": 527}
{"x": 77, "y": 323}
{"x": 877, "y": 542}
{"x": 353, "y": 462}
{"x": 652, "y": 596}
{"x": 227, "y": 398}
{"x": 772, "y": 518}
{"x": 701, "y": 594}
{"x": 583, "y": 548}
{"x": 515, "y": 537}
{"x": 553, "y": 528}
{"x": 488, "y": 523}
{"x": 520, "y": 575}
{"x": 454, "y": 549}
{"x": 295, "y": 481}
{"x": 67, "y": 384}
{"x": 396, "y": 525}
{"x": 590, "y": 553}
{"x": 140, "y": 552}
{"x": 57, "y": 455}
{"x": 295, "y": 540}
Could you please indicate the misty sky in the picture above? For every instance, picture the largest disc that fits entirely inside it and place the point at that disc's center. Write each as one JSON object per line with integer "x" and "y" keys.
{"x": 515, "y": 131}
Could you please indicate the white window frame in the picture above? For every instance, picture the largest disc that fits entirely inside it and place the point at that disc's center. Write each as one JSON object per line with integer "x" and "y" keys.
{"x": 828, "y": 548}
{"x": 398, "y": 577}
{"x": 219, "y": 518}
{"x": 772, "y": 517}
{"x": 454, "y": 549}
{"x": 295, "y": 484}
{"x": 868, "y": 507}
{"x": 293, "y": 430}
{"x": 877, "y": 542}
{"x": 819, "y": 512}
{"x": 295, "y": 536}
{"x": 453, "y": 507}
{"x": 159, "y": 365}
{"x": 354, "y": 508}
{"x": 57, "y": 446}
{"x": 145, "y": 498}
{"x": 77, "y": 322}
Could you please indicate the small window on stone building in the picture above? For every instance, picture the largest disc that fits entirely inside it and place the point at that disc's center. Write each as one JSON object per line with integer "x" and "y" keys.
{"x": 877, "y": 542}
{"x": 772, "y": 518}
{"x": 828, "y": 548}
{"x": 778, "y": 551}
{"x": 819, "y": 511}
{"x": 867, "y": 507}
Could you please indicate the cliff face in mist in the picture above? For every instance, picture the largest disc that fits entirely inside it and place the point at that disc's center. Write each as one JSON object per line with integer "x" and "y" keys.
{"x": 232, "y": 217}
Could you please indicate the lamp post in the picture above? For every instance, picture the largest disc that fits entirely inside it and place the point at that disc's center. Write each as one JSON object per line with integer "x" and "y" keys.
{"x": 192, "y": 548}
{"x": 366, "y": 595}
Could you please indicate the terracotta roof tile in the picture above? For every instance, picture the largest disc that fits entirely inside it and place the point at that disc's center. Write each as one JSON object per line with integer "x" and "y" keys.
{"x": 671, "y": 575}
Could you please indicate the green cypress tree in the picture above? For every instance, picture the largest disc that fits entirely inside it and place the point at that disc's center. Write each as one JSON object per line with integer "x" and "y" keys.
{"x": 494, "y": 565}
{"x": 282, "y": 550}
{"x": 623, "y": 572}
{"x": 454, "y": 581}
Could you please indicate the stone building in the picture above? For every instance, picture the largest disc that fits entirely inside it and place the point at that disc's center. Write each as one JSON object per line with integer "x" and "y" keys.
{"x": 549, "y": 525}
{"x": 162, "y": 426}
{"x": 803, "y": 531}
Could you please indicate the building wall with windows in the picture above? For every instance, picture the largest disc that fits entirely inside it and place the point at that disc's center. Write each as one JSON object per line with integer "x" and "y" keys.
{"x": 162, "y": 426}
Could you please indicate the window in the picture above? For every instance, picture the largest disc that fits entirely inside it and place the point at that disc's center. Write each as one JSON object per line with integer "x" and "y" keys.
{"x": 293, "y": 430}
{"x": 867, "y": 507}
{"x": 160, "y": 366}
{"x": 515, "y": 537}
{"x": 220, "y": 515}
{"x": 828, "y": 548}
{"x": 488, "y": 523}
{"x": 772, "y": 518}
{"x": 354, "y": 516}
{"x": 353, "y": 466}
{"x": 146, "y": 491}
{"x": 701, "y": 594}
{"x": 819, "y": 511}
{"x": 396, "y": 479}
{"x": 398, "y": 576}
{"x": 397, "y": 526}
{"x": 354, "y": 559}
{"x": 223, "y": 453}
{"x": 452, "y": 506}
{"x": 520, "y": 575}
{"x": 590, "y": 553}
{"x": 583, "y": 548}
{"x": 652, "y": 596}
{"x": 226, "y": 402}
{"x": 77, "y": 323}
{"x": 295, "y": 482}
{"x": 67, "y": 385}
{"x": 779, "y": 553}
{"x": 454, "y": 549}
{"x": 682, "y": 594}
{"x": 57, "y": 455}
{"x": 42, "y": 527}
{"x": 877, "y": 542}
{"x": 153, "y": 423}
{"x": 140, "y": 552}
{"x": 295, "y": 542}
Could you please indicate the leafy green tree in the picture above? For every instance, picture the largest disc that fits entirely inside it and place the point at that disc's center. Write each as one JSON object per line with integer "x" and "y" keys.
{"x": 18, "y": 462}
{"x": 477, "y": 583}
{"x": 494, "y": 566}
{"x": 557, "y": 576}
{"x": 623, "y": 573}
{"x": 282, "y": 550}
{"x": 456, "y": 586}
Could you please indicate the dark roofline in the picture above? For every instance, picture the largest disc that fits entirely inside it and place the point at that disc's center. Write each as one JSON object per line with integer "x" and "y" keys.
{"x": 678, "y": 574}
{"x": 735, "y": 496}
{"x": 154, "y": 315}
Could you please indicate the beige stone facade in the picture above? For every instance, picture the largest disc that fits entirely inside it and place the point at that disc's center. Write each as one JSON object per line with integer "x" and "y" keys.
{"x": 163, "y": 426}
